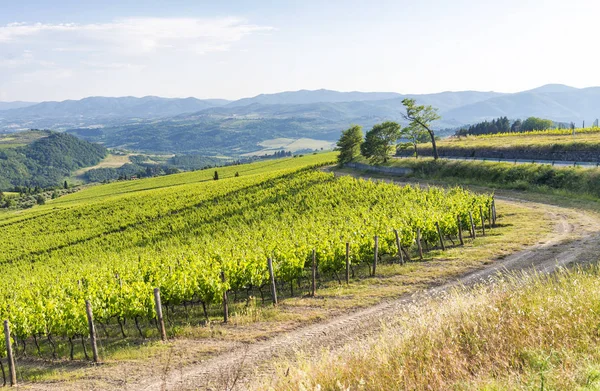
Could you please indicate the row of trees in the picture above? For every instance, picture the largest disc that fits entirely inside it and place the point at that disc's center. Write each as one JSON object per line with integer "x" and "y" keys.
{"x": 380, "y": 142}
{"x": 504, "y": 125}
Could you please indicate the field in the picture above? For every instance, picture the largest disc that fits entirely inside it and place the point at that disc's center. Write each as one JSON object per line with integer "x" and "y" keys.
{"x": 573, "y": 182}
{"x": 526, "y": 333}
{"x": 19, "y": 139}
{"x": 551, "y": 145}
{"x": 112, "y": 244}
{"x": 110, "y": 161}
{"x": 205, "y": 242}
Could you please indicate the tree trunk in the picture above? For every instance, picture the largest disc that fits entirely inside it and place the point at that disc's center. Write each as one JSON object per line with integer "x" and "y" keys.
{"x": 416, "y": 152}
{"x": 433, "y": 145}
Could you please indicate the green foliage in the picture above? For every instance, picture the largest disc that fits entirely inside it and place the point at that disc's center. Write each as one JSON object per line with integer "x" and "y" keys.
{"x": 349, "y": 144}
{"x": 500, "y": 125}
{"x": 420, "y": 118}
{"x": 508, "y": 175}
{"x": 40, "y": 200}
{"x": 195, "y": 161}
{"x": 380, "y": 142}
{"x": 179, "y": 232}
{"x": 46, "y": 161}
{"x": 415, "y": 135}
{"x": 534, "y": 123}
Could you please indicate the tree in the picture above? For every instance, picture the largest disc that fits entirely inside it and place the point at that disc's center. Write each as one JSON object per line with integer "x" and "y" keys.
{"x": 414, "y": 135}
{"x": 216, "y": 176}
{"x": 349, "y": 144}
{"x": 534, "y": 123}
{"x": 40, "y": 200}
{"x": 422, "y": 117}
{"x": 380, "y": 142}
{"x": 516, "y": 126}
{"x": 65, "y": 185}
{"x": 237, "y": 174}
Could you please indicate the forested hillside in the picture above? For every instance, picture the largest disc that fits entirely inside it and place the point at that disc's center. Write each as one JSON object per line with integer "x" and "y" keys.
{"x": 46, "y": 161}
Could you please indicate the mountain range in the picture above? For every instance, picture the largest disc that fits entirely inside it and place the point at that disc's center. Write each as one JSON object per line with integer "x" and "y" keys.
{"x": 218, "y": 126}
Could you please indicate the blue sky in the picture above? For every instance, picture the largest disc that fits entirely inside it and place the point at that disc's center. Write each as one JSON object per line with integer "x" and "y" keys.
{"x": 55, "y": 50}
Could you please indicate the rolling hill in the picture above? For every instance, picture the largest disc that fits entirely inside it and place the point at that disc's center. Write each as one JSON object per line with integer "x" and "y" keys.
{"x": 220, "y": 127}
{"x": 45, "y": 160}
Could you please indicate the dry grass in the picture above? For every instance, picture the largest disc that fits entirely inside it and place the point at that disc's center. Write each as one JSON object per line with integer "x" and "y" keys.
{"x": 111, "y": 161}
{"x": 527, "y": 333}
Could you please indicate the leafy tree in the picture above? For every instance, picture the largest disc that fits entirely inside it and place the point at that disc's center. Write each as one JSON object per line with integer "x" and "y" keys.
{"x": 422, "y": 117}
{"x": 349, "y": 144}
{"x": 237, "y": 174}
{"x": 216, "y": 176}
{"x": 65, "y": 185}
{"x": 380, "y": 142}
{"x": 534, "y": 123}
{"x": 40, "y": 200}
{"x": 414, "y": 135}
{"x": 516, "y": 126}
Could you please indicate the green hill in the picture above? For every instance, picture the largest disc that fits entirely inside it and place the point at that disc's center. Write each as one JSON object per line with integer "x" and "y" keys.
{"x": 44, "y": 158}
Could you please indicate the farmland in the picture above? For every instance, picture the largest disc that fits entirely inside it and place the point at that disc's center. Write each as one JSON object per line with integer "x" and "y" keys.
{"x": 199, "y": 240}
{"x": 113, "y": 244}
{"x": 552, "y": 145}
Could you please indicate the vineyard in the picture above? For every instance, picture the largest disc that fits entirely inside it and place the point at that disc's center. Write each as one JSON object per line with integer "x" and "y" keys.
{"x": 197, "y": 239}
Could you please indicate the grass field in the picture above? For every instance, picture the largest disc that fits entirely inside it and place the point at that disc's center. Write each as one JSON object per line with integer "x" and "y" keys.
{"x": 110, "y": 161}
{"x": 559, "y": 145}
{"x": 508, "y": 140}
{"x": 20, "y": 139}
{"x": 575, "y": 182}
{"x": 530, "y": 333}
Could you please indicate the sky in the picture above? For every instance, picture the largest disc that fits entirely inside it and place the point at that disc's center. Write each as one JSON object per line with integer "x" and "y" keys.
{"x": 70, "y": 49}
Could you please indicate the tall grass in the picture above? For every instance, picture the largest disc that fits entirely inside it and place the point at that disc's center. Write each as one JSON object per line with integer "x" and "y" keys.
{"x": 527, "y": 333}
{"x": 570, "y": 180}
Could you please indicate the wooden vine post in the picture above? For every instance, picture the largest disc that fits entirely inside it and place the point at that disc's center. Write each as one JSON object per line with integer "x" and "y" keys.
{"x": 347, "y": 263}
{"x": 9, "y": 355}
{"x": 437, "y": 226}
{"x": 159, "y": 315}
{"x": 472, "y": 225}
{"x": 376, "y": 254}
{"x": 490, "y": 217}
{"x": 399, "y": 245}
{"x": 482, "y": 219}
{"x": 272, "y": 276}
{"x": 494, "y": 211}
{"x": 225, "y": 302}
{"x": 314, "y": 273}
{"x": 460, "y": 237}
{"x": 92, "y": 328}
{"x": 419, "y": 245}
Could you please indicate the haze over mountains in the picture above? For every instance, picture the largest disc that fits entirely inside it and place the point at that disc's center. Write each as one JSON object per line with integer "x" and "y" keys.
{"x": 218, "y": 126}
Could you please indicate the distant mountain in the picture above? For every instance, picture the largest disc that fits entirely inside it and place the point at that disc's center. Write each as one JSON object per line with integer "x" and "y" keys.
{"x": 555, "y": 102}
{"x": 15, "y": 105}
{"x": 316, "y": 96}
{"x": 99, "y": 110}
{"x": 217, "y": 127}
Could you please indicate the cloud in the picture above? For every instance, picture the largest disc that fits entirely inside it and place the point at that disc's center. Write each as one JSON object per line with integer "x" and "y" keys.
{"x": 41, "y": 61}
{"x": 134, "y": 36}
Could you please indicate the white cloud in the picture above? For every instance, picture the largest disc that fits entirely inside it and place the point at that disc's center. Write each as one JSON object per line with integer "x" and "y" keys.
{"x": 134, "y": 36}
